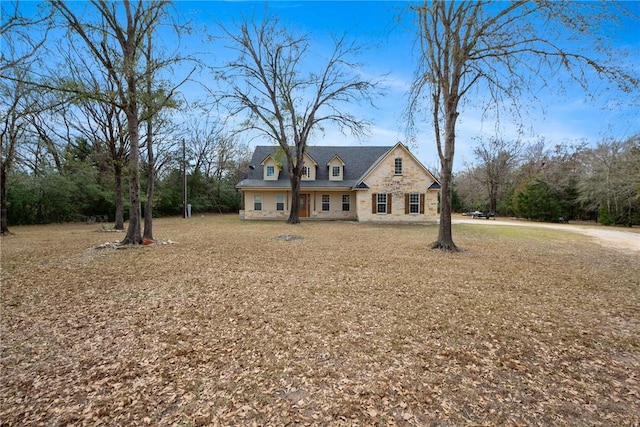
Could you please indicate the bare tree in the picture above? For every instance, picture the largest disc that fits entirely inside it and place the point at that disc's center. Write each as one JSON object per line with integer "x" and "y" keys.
{"x": 471, "y": 193}
{"x": 497, "y": 158}
{"x": 285, "y": 103}
{"x": 49, "y": 134}
{"x": 20, "y": 38}
{"x": 119, "y": 42}
{"x": 202, "y": 135}
{"x": 150, "y": 107}
{"x": 17, "y": 104}
{"x": 105, "y": 126}
{"x": 211, "y": 148}
{"x": 611, "y": 179}
{"x": 498, "y": 48}
{"x": 98, "y": 119}
{"x": 117, "y": 47}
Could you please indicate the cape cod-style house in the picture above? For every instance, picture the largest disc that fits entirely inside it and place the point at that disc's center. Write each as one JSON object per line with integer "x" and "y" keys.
{"x": 359, "y": 183}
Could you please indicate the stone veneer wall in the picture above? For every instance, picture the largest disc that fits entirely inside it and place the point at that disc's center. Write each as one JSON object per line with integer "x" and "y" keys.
{"x": 383, "y": 180}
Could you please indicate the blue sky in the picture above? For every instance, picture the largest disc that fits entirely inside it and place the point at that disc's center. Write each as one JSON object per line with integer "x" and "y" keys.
{"x": 389, "y": 43}
{"x": 389, "y": 50}
{"x": 386, "y": 50}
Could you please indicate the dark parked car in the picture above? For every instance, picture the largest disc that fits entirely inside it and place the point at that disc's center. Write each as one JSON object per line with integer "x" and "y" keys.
{"x": 487, "y": 215}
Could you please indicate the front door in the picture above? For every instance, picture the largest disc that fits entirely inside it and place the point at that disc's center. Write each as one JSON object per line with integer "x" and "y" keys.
{"x": 303, "y": 210}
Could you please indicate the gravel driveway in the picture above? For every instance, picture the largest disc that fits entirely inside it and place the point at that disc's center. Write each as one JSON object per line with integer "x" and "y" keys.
{"x": 613, "y": 238}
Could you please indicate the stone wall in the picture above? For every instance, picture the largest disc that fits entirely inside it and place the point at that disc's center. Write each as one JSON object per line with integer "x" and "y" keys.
{"x": 382, "y": 179}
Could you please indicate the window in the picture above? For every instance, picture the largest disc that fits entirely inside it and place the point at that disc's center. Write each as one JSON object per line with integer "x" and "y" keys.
{"x": 271, "y": 171}
{"x": 257, "y": 202}
{"x": 397, "y": 169}
{"x": 325, "y": 202}
{"x": 346, "y": 202}
{"x": 381, "y": 203}
{"x": 335, "y": 171}
{"x": 279, "y": 202}
{"x": 306, "y": 173}
{"x": 414, "y": 203}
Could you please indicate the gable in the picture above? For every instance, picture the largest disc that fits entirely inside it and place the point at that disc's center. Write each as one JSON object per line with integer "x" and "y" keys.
{"x": 386, "y": 169}
{"x": 335, "y": 168}
{"x": 311, "y": 167}
{"x": 270, "y": 169}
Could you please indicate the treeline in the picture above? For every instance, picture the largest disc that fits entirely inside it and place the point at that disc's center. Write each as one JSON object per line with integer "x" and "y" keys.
{"x": 94, "y": 126}
{"x": 80, "y": 186}
{"x": 567, "y": 182}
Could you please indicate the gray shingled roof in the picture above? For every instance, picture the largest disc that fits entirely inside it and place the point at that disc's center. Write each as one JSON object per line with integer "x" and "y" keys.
{"x": 357, "y": 161}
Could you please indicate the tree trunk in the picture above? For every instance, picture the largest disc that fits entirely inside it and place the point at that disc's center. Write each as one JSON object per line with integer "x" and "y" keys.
{"x": 493, "y": 196}
{"x": 148, "y": 212}
{"x": 294, "y": 213}
{"x": 445, "y": 235}
{"x": 4, "y": 226}
{"x": 134, "y": 235}
{"x": 119, "y": 219}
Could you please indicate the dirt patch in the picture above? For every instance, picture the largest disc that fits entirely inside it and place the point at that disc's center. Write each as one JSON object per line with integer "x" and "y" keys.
{"x": 353, "y": 325}
{"x": 621, "y": 240}
{"x": 146, "y": 244}
{"x": 288, "y": 237}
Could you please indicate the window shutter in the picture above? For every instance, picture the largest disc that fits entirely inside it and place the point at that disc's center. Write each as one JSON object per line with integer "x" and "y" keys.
{"x": 389, "y": 203}
{"x": 421, "y": 203}
{"x": 406, "y": 203}
{"x": 374, "y": 203}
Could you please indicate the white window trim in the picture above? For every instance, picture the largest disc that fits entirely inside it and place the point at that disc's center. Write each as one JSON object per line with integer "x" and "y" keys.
{"x": 257, "y": 198}
{"x": 379, "y": 203}
{"x": 347, "y": 203}
{"x": 416, "y": 204}
{"x": 328, "y": 202}
{"x": 395, "y": 166}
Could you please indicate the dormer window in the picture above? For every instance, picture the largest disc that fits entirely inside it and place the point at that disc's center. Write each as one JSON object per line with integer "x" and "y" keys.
{"x": 271, "y": 169}
{"x": 309, "y": 168}
{"x": 397, "y": 166}
{"x": 335, "y": 168}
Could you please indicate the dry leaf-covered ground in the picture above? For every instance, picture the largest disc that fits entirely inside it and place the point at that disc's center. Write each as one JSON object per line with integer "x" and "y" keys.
{"x": 349, "y": 325}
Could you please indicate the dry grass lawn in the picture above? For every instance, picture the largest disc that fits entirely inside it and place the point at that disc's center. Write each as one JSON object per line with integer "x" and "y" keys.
{"x": 353, "y": 325}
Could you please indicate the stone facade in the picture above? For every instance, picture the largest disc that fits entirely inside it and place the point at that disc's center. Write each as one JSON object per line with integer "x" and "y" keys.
{"x": 394, "y": 187}
{"x": 383, "y": 180}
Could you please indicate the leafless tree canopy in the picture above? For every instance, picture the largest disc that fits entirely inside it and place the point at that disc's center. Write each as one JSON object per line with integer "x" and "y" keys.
{"x": 502, "y": 48}
{"x": 120, "y": 42}
{"x": 497, "y": 158}
{"x": 284, "y": 103}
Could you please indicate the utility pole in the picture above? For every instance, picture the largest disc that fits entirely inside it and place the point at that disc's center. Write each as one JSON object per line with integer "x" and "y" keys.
{"x": 184, "y": 180}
